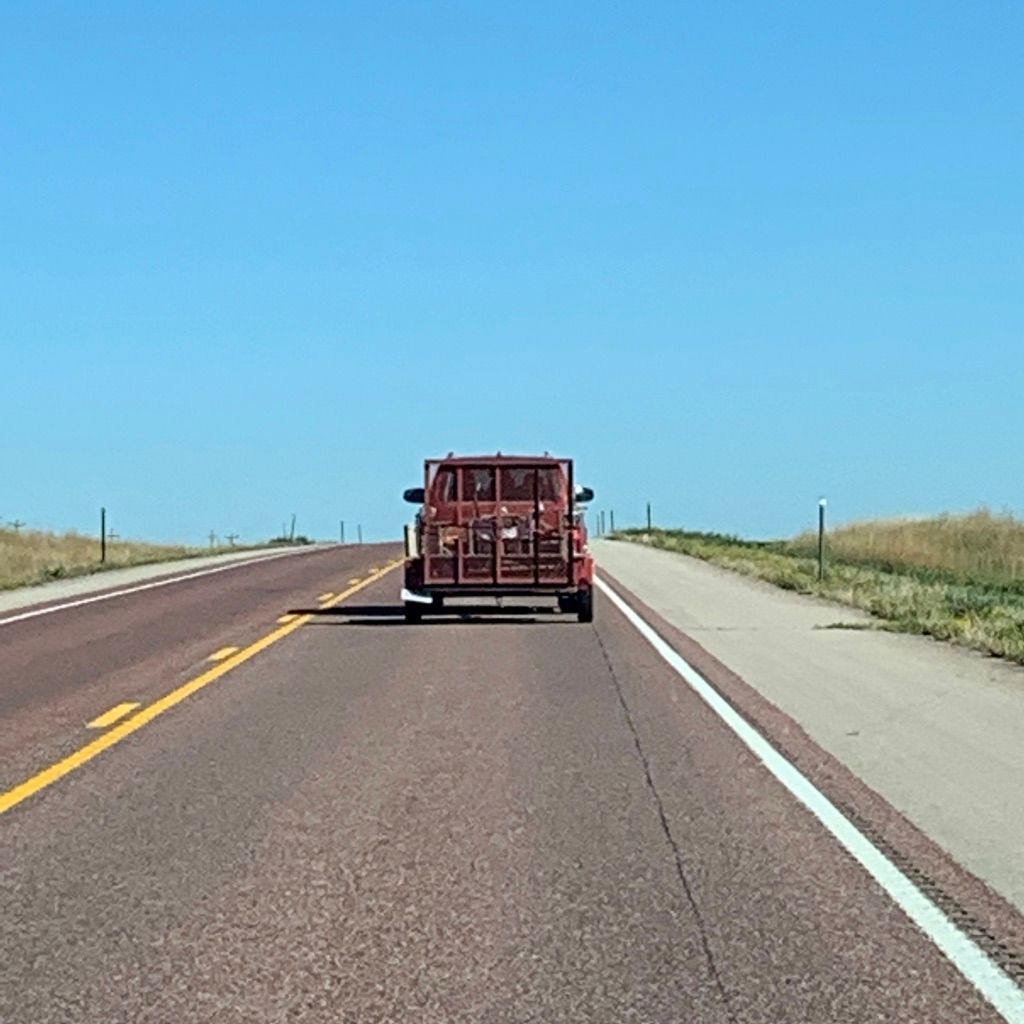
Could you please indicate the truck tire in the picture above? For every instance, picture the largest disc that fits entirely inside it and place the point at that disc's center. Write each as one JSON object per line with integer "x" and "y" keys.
{"x": 585, "y": 605}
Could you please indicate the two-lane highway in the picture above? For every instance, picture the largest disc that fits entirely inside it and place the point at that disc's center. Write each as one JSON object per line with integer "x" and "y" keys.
{"x": 490, "y": 819}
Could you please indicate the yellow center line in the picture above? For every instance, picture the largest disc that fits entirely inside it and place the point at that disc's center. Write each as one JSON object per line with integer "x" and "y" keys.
{"x": 285, "y": 619}
{"x": 115, "y": 713}
{"x": 48, "y": 776}
{"x": 327, "y": 596}
{"x": 355, "y": 579}
{"x": 224, "y": 652}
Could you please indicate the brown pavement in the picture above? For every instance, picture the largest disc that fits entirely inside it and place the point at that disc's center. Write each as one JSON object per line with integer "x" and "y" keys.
{"x": 492, "y": 819}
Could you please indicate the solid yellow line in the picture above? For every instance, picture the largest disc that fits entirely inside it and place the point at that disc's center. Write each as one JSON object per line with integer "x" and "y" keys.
{"x": 48, "y": 776}
{"x": 224, "y": 652}
{"x": 355, "y": 579}
{"x": 327, "y": 596}
{"x": 285, "y": 619}
{"x": 111, "y": 716}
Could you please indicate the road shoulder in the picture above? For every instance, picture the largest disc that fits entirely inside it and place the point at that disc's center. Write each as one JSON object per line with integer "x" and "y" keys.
{"x": 931, "y": 730}
{"x": 114, "y": 579}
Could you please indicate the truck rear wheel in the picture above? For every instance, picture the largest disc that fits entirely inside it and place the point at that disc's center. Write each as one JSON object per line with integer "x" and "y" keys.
{"x": 585, "y": 605}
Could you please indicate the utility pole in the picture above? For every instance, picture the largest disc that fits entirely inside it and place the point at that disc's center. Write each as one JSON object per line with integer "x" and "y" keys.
{"x": 359, "y": 533}
{"x": 113, "y": 536}
{"x": 213, "y": 538}
{"x": 103, "y": 535}
{"x": 232, "y": 537}
{"x": 821, "y": 538}
{"x": 611, "y": 520}
{"x": 341, "y": 531}
{"x": 648, "y": 515}
{"x": 16, "y": 525}
{"x": 291, "y": 536}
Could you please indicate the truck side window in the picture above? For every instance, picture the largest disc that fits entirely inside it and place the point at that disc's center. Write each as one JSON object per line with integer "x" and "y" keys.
{"x": 444, "y": 487}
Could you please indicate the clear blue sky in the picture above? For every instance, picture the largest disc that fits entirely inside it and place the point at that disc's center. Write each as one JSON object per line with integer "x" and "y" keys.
{"x": 258, "y": 259}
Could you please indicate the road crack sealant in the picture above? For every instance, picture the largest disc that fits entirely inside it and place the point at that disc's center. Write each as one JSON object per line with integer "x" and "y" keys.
{"x": 666, "y": 829}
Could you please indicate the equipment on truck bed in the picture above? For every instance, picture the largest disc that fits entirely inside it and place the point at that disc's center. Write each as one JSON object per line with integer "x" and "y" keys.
{"x": 498, "y": 525}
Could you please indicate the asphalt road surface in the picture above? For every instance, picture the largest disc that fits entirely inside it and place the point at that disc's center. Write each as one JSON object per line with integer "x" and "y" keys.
{"x": 486, "y": 818}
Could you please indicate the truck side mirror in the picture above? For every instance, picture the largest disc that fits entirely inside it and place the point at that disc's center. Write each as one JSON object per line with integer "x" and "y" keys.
{"x": 584, "y": 494}
{"x": 414, "y": 495}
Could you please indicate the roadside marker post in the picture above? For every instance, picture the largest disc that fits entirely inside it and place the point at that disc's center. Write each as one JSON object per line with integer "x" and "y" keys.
{"x": 103, "y": 535}
{"x": 821, "y": 538}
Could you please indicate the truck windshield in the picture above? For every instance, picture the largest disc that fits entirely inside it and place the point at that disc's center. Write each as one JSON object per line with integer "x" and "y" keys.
{"x": 517, "y": 483}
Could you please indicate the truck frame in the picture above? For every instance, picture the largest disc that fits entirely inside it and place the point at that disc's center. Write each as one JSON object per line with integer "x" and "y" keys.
{"x": 497, "y": 526}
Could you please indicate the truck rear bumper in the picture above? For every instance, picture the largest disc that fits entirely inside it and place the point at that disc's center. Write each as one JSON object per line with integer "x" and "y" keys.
{"x": 426, "y": 595}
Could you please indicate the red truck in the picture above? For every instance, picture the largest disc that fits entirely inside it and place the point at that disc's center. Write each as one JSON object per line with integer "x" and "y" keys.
{"x": 498, "y": 526}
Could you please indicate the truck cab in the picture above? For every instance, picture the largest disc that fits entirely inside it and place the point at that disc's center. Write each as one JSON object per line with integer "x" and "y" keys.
{"x": 498, "y": 525}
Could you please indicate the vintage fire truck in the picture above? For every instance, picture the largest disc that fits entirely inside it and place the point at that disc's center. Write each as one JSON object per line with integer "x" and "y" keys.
{"x": 498, "y": 526}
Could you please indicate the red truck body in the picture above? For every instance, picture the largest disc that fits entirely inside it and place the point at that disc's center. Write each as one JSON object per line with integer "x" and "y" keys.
{"x": 498, "y": 525}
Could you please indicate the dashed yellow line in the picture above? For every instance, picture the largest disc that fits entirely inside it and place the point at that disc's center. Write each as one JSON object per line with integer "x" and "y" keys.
{"x": 285, "y": 619}
{"x": 327, "y": 596}
{"x": 115, "y": 714}
{"x": 48, "y": 776}
{"x": 356, "y": 579}
{"x": 224, "y": 652}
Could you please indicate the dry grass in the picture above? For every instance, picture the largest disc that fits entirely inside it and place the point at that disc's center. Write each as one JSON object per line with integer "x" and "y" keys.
{"x": 956, "y": 578}
{"x": 35, "y": 556}
{"x": 979, "y": 546}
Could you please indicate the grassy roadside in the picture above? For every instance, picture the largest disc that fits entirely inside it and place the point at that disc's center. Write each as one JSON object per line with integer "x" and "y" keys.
{"x": 955, "y": 578}
{"x": 37, "y": 556}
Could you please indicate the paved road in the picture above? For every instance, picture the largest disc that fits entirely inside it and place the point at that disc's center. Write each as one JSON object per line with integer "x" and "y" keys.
{"x": 494, "y": 819}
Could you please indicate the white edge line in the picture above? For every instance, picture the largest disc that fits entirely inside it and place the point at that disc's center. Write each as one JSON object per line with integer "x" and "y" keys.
{"x": 966, "y": 955}
{"x": 107, "y": 595}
